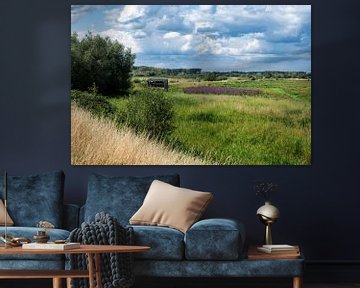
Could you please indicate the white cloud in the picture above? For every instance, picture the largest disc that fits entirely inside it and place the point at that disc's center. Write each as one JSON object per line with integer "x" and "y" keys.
{"x": 78, "y": 11}
{"x": 247, "y": 32}
{"x": 125, "y": 38}
{"x": 171, "y": 35}
{"x": 131, "y": 13}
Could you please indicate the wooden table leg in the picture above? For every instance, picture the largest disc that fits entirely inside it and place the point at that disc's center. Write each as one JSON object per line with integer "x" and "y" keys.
{"x": 91, "y": 270}
{"x": 297, "y": 282}
{"x": 68, "y": 282}
{"x": 98, "y": 270}
{"x": 57, "y": 283}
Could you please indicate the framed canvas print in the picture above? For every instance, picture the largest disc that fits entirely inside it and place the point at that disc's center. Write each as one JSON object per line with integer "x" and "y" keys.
{"x": 191, "y": 85}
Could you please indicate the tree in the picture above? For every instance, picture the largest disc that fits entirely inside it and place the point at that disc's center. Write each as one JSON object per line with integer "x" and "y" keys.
{"x": 100, "y": 61}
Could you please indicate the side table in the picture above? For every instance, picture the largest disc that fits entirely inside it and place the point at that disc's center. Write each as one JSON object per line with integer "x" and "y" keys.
{"x": 289, "y": 259}
{"x": 93, "y": 251}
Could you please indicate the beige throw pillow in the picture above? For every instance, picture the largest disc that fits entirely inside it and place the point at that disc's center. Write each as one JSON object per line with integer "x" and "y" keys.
{"x": 170, "y": 206}
{"x": 9, "y": 221}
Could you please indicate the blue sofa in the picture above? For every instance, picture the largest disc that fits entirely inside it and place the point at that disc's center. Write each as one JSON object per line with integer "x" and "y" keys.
{"x": 210, "y": 248}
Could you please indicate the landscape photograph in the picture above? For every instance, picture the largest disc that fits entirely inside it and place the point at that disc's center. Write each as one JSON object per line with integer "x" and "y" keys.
{"x": 190, "y": 84}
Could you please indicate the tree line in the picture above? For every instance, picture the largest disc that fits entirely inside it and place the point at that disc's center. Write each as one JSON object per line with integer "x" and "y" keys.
{"x": 147, "y": 71}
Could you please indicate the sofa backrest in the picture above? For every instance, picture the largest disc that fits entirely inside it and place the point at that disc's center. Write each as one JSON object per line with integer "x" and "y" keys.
{"x": 70, "y": 219}
{"x": 35, "y": 198}
{"x": 119, "y": 196}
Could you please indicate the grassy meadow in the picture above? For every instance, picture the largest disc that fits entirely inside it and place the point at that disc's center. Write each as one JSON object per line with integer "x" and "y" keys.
{"x": 270, "y": 128}
{"x": 100, "y": 142}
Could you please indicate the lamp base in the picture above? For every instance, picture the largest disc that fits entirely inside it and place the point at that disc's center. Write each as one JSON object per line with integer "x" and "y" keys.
{"x": 268, "y": 237}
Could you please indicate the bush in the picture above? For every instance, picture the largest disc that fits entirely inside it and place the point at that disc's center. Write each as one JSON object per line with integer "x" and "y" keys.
{"x": 150, "y": 111}
{"x": 210, "y": 76}
{"x": 213, "y": 76}
{"x": 95, "y": 104}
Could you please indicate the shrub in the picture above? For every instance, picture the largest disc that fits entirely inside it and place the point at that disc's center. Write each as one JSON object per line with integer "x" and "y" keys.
{"x": 213, "y": 76}
{"x": 210, "y": 76}
{"x": 150, "y": 111}
{"x": 137, "y": 80}
{"x": 95, "y": 104}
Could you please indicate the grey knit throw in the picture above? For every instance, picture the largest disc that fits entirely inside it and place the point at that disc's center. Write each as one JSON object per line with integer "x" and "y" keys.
{"x": 116, "y": 268}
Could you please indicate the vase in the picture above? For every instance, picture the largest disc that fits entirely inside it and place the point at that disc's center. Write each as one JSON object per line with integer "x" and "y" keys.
{"x": 41, "y": 237}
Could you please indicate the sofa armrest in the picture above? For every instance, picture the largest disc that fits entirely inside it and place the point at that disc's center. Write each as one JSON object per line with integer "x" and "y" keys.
{"x": 71, "y": 216}
{"x": 215, "y": 239}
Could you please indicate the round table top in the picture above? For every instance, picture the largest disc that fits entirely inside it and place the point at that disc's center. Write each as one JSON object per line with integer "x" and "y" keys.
{"x": 91, "y": 249}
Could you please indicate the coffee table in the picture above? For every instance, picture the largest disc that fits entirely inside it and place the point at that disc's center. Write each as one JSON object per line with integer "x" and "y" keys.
{"x": 94, "y": 267}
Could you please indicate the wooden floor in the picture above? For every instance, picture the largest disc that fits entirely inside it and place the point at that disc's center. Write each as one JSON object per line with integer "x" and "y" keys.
{"x": 45, "y": 283}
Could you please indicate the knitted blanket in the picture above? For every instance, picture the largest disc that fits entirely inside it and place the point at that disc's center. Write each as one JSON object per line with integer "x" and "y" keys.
{"x": 116, "y": 268}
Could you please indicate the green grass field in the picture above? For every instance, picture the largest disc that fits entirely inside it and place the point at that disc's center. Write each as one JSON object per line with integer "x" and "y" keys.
{"x": 272, "y": 128}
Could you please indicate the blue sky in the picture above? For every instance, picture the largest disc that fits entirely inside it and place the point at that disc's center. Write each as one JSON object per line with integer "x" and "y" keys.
{"x": 210, "y": 37}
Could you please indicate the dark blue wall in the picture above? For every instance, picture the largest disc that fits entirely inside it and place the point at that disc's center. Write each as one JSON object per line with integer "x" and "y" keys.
{"x": 318, "y": 203}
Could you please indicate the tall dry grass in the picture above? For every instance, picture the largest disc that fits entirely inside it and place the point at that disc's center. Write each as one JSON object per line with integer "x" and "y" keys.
{"x": 99, "y": 142}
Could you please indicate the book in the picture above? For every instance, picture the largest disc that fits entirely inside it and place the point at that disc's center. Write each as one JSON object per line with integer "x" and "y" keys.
{"x": 278, "y": 249}
{"x": 255, "y": 254}
{"x": 51, "y": 246}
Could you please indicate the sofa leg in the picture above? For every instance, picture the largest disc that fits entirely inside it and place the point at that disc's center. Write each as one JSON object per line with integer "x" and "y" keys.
{"x": 57, "y": 283}
{"x": 297, "y": 282}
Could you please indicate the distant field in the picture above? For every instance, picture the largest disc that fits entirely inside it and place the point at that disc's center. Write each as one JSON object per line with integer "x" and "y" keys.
{"x": 269, "y": 128}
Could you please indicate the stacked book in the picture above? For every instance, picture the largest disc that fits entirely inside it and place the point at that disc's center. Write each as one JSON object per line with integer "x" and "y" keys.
{"x": 273, "y": 252}
{"x": 279, "y": 249}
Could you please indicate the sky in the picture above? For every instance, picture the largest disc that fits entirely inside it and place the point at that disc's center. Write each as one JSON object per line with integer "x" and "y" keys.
{"x": 211, "y": 37}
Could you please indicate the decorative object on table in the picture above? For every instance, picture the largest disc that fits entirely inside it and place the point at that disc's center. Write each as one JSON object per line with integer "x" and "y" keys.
{"x": 116, "y": 268}
{"x": 41, "y": 236}
{"x": 45, "y": 225}
{"x": 11, "y": 241}
{"x": 59, "y": 241}
{"x": 268, "y": 213}
{"x": 255, "y": 254}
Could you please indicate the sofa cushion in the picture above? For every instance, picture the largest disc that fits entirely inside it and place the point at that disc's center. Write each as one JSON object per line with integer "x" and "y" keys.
{"x": 121, "y": 197}
{"x": 29, "y": 232}
{"x": 165, "y": 243}
{"x": 213, "y": 269}
{"x": 170, "y": 206}
{"x": 35, "y": 198}
{"x": 9, "y": 221}
{"x": 38, "y": 264}
{"x": 214, "y": 239}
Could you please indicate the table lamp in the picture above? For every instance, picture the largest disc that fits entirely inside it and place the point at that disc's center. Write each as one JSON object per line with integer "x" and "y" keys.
{"x": 268, "y": 214}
